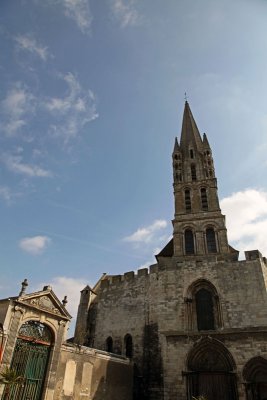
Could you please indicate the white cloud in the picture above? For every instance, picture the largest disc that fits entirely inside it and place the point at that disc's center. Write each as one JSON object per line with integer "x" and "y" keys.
{"x": 79, "y": 12}
{"x": 125, "y": 12}
{"x": 73, "y": 111}
{"x": 34, "y": 245}
{"x": 14, "y": 163}
{"x": 5, "y": 193}
{"x": 70, "y": 287}
{"x": 246, "y": 214}
{"x": 28, "y": 42}
{"x": 18, "y": 103}
{"x": 146, "y": 234}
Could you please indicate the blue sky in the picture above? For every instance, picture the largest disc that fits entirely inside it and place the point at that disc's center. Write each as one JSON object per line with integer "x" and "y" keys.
{"x": 91, "y": 99}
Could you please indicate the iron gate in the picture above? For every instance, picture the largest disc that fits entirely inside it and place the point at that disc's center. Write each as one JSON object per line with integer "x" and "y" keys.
{"x": 30, "y": 360}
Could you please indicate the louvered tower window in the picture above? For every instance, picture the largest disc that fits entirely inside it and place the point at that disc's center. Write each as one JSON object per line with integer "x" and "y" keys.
{"x": 204, "y": 309}
{"x": 187, "y": 200}
{"x": 211, "y": 241}
{"x": 204, "y": 199}
{"x": 189, "y": 242}
{"x": 193, "y": 172}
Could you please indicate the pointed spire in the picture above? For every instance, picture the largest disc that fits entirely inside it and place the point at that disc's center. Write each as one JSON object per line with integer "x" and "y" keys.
{"x": 205, "y": 141}
{"x": 87, "y": 287}
{"x": 190, "y": 133}
{"x": 176, "y": 146}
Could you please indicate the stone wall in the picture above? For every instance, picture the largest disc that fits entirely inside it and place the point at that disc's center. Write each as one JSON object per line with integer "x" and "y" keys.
{"x": 154, "y": 305}
{"x": 242, "y": 347}
{"x": 85, "y": 373}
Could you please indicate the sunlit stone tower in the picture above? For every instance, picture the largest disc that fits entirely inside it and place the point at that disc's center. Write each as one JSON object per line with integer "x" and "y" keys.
{"x": 199, "y": 226}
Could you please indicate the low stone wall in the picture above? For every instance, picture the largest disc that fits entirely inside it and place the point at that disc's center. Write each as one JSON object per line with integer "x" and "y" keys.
{"x": 89, "y": 374}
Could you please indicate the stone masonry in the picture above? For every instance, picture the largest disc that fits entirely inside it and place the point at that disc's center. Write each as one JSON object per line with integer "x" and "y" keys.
{"x": 198, "y": 317}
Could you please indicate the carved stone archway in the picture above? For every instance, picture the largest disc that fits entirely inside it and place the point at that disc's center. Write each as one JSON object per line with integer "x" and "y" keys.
{"x": 211, "y": 371}
{"x": 255, "y": 375}
{"x": 30, "y": 360}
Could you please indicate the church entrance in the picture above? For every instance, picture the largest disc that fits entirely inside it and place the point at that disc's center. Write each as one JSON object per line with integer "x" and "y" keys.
{"x": 255, "y": 375}
{"x": 30, "y": 360}
{"x": 210, "y": 372}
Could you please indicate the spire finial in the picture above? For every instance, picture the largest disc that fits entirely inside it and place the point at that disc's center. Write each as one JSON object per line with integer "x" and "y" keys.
{"x": 185, "y": 96}
{"x": 65, "y": 301}
{"x": 24, "y": 285}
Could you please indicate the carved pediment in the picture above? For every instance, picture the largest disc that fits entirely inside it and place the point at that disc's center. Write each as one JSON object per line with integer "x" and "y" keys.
{"x": 45, "y": 301}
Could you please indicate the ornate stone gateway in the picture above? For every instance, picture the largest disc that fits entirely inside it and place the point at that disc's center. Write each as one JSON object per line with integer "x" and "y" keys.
{"x": 30, "y": 360}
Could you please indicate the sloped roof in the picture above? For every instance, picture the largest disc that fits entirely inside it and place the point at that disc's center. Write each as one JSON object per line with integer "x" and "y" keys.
{"x": 167, "y": 251}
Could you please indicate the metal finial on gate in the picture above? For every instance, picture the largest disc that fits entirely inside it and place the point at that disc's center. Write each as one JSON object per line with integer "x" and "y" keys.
{"x": 64, "y": 301}
{"x": 24, "y": 285}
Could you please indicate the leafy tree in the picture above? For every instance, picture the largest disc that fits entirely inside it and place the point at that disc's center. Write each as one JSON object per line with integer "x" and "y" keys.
{"x": 10, "y": 378}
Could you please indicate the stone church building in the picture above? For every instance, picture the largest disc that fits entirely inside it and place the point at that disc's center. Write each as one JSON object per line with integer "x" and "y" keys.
{"x": 193, "y": 324}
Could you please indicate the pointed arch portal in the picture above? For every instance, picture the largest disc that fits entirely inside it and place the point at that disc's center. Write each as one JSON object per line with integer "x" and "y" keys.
{"x": 211, "y": 371}
{"x": 30, "y": 360}
{"x": 255, "y": 375}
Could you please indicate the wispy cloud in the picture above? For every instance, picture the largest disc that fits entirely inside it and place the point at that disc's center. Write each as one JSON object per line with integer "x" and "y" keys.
{"x": 73, "y": 111}
{"x": 79, "y": 12}
{"x": 246, "y": 213}
{"x": 125, "y": 12}
{"x": 14, "y": 163}
{"x": 28, "y": 42}
{"x": 18, "y": 103}
{"x": 5, "y": 193}
{"x": 146, "y": 234}
{"x": 35, "y": 245}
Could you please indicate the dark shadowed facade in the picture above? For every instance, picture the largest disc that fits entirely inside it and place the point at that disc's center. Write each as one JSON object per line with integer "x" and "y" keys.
{"x": 195, "y": 323}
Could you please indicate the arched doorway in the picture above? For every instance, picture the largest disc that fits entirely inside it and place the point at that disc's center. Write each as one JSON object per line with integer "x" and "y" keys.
{"x": 255, "y": 375}
{"x": 30, "y": 360}
{"x": 211, "y": 371}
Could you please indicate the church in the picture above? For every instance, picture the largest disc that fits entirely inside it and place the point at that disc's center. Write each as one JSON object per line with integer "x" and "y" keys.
{"x": 193, "y": 324}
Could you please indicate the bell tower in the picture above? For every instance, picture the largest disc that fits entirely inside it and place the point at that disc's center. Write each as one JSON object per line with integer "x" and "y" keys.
{"x": 198, "y": 226}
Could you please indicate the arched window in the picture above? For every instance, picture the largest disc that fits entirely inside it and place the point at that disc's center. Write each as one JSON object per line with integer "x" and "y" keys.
{"x": 211, "y": 240}
{"x": 109, "y": 344}
{"x": 191, "y": 153}
{"x": 204, "y": 199}
{"x": 204, "y": 309}
{"x": 189, "y": 242}
{"x": 128, "y": 342}
{"x": 187, "y": 200}
{"x": 193, "y": 172}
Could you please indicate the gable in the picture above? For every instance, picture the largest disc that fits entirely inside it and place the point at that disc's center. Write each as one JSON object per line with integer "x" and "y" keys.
{"x": 45, "y": 301}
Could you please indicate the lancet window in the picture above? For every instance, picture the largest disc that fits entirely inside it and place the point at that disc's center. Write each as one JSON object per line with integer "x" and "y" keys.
{"x": 204, "y": 199}
{"x": 211, "y": 240}
{"x": 128, "y": 343}
{"x": 203, "y": 307}
{"x": 187, "y": 200}
{"x": 193, "y": 172}
{"x": 189, "y": 242}
{"x": 109, "y": 344}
